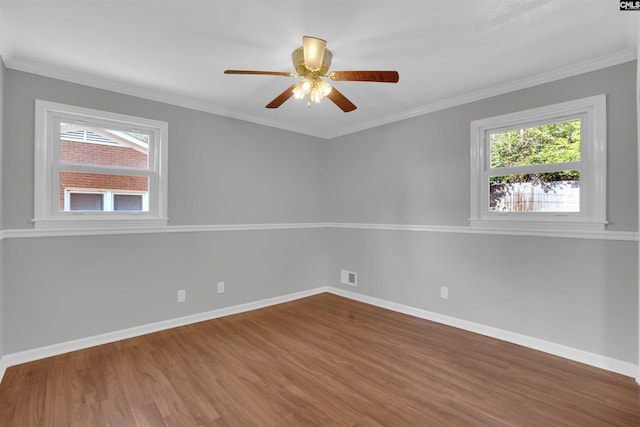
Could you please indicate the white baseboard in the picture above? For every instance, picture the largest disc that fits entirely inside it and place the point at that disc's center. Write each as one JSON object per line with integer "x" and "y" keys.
{"x": 53, "y": 350}
{"x": 597, "y": 360}
{"x": 3, "y": 368}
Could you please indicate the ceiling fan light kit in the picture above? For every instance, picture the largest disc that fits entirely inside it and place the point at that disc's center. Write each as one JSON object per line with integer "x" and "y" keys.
{"x": 314, "y": 87}
{"x": 312, "y": 61}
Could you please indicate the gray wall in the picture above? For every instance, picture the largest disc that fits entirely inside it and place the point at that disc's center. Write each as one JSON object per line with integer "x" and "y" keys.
{"x": 2, "y": 310}
{"x": 2, "y": 307}
{"x": 576, "y": 292}
{"x": 404, "y": 173}
{"x": 65, "y": 288}
{"x": 221, "y": 171}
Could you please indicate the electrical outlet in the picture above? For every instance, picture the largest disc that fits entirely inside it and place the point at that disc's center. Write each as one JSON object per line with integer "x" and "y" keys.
{"x": 444, "y": 292}
{"x": 220, "y": 287}
{"x": 182, "y": 295}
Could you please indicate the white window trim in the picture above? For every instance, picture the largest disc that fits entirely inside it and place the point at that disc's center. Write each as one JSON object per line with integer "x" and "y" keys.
{"x": 593, "y": 206}
{"x": 47, "y": 214}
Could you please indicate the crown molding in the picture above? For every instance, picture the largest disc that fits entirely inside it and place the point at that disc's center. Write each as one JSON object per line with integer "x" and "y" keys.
{"x": 144, "y": 93}
{"x": 616, "y": 58}
{"x": 620, "y": 57}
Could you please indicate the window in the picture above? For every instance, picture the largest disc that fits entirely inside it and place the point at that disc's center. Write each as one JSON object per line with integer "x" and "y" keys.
{"x": 541, "y": 169}
{"x": 98, "y": 169}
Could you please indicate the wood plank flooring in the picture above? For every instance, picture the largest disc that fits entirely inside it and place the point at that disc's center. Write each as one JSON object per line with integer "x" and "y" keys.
{"x": 318, "y": 361}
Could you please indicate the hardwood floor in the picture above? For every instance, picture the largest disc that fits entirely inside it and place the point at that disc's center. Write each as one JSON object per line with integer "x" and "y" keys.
{"x": 322, "y": 360}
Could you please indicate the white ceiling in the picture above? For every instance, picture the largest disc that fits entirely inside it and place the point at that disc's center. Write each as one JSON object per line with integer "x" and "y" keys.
{"x": 447, "y": 52}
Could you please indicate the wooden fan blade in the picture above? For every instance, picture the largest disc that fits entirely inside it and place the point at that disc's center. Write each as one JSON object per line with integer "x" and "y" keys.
{"x": 280, "y": 99}
{"x": 341, "y": 101}
{"x": 365, "y": 76}
{"x": 266, "y": 73}
{"x": 313, "y": 52}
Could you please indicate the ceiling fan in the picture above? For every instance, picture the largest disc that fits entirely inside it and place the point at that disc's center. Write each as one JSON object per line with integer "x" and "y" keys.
{"x": 312, "y": 61}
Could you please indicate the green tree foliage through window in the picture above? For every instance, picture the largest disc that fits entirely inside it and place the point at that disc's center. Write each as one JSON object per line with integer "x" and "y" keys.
{"x": 545, "y": 144}
{"x": 516, "y": 181}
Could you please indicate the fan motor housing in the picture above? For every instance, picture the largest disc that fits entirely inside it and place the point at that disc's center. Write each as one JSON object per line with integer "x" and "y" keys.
{"x": 298, "y": 62}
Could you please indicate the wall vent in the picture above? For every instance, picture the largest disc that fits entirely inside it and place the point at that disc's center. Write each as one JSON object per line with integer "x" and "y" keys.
{"x": 348, "y": 278}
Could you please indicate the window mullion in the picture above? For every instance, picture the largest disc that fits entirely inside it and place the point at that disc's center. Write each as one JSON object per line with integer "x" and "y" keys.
{"x": 531, "y": 169}
{"x": 108, "y": 201}
{"x": 74, "y": 167}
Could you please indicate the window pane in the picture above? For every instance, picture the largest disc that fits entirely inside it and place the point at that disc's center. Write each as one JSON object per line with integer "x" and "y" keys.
{"x": 549, "y": 143}
{"x": 541, "y": 192}
{"x": 127, "y": 202}
{"x": 87, "y": 145}
{"x": 81, "y": 181}
{"x": 86, "y": 202}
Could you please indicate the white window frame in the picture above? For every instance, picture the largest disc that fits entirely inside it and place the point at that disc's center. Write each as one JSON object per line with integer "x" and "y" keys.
{"x": 47, "y": 213}
{"x": 592, "y": 165}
